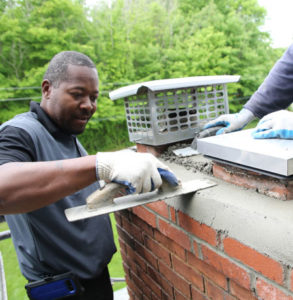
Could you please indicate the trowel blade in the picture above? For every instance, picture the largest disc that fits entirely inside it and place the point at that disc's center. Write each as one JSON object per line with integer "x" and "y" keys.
{"x": 184, "y": 152}
{"x": 82, "y": 212}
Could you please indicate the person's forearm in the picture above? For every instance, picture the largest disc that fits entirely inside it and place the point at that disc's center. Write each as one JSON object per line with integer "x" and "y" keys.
{"x": 27, "y": 186}
{"x": 275, "y": 93}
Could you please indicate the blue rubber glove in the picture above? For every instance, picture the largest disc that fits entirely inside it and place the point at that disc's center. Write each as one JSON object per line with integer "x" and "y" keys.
{"x": 232, "y": 122}
{"x": 278, "y": 124}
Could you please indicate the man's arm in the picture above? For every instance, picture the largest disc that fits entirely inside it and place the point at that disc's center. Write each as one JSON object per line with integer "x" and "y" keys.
{"x": 276, "y": 92}
{"x": 27, "y": 186}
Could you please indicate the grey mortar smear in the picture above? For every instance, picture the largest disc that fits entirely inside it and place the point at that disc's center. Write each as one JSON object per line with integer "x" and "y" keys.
{"x": 204, "y": 166}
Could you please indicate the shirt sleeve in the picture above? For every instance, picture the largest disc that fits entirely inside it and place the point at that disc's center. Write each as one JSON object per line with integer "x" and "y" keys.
{"x": 276, "y": 92}
{"x": 16, "y": 145}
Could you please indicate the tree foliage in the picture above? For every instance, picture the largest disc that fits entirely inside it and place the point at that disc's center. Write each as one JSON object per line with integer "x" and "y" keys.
{"x": 134, "y": 40}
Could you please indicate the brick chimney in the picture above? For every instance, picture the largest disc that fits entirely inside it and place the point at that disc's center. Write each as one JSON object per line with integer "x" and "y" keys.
{"x": 230, "y": 241}
{"x": 211, "y": 245}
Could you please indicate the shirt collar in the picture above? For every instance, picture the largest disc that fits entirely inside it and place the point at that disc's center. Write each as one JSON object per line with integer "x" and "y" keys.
{"x": 45, "y": 120}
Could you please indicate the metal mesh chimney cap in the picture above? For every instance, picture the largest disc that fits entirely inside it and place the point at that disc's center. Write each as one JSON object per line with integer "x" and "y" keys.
{"x": 169, "y": 84}
{"x": 165, "y": 111}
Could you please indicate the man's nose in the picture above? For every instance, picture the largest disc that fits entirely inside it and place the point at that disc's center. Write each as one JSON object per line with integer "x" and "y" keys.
{"x": 87, "y": 104}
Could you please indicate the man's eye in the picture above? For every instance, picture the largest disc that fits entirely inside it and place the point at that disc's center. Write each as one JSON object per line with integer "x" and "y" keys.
{"x": 77, "y": 95}
{"x": 93, "y": 98}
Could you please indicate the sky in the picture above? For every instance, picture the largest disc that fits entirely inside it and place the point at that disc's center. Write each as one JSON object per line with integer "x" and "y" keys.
{"x": 279, "y": 20}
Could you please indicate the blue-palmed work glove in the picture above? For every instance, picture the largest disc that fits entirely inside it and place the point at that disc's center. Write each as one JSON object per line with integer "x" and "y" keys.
{"x": 278, "y": 124}
{"x": 140, "y": 172}
{"x": 232, "y": 122}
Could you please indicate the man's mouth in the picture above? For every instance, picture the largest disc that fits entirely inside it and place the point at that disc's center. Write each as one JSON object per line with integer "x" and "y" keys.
{"x": 82, "y": 120}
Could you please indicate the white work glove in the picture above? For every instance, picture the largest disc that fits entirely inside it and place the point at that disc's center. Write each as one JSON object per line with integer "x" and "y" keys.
{"x": 140, "y": 172}
{"x": 278, "y": 124}
{"x": 232, "y": 122}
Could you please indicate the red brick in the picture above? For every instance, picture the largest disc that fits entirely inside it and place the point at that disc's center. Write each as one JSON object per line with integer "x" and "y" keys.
{"x": 197, "y": 295}
{"x": 122, "y": 244}
{"x": 179, "y": 283}
{"x": 195, "y": 248}
{"x": 201, "y": 231}
{"x": 158, "y": 250}
{"x": 146, "y": 291}
{"x": 259, "y": 262}
{"x": 146, "y": 254}
{"x": 135, "y": 258}
{"x": 126, "y": 270}
{"x": 155, "y": 150}
{"x": 226, "y": 267}
{"x": 142, "y": 225}
{"x": 164, "y": 296}
{"x": 179, "y": 296}
{"x": 155, "y": 297}
{"x": 263, "y": 184}
{"x": 159, "y": 207}
{"x": 240, "y": 292}
{"x": 188, "y": 273}
{"x": 216, "y": 293}
{"x": 170, "y": 244}
{"x": 207, "y": 270}
{"x": 130, "y": 263}
{"x": 144, "y": 214}
{"x": 161, "y": 281}
{"x": 132, "y": 229}
{"x": 175, "y": 234}
{"x": 130, "y": 293}
{"x": 124, "y": 236}
{"x": 117, "y": 216}
{"x": 124, "y": 213}
{"x": 133, "y": 287}
{"x": 123, "y": 248}
{"x": 172, "y": 214}
{"x": 151, "y": 283}
{"x": 266, "y": 291}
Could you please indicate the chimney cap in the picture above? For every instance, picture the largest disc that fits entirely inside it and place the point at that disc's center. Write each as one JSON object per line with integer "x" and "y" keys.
{"x": 170, "y": 84}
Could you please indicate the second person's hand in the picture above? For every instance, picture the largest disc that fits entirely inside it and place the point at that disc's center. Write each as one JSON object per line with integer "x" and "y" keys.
{"x": 231, "y": 122}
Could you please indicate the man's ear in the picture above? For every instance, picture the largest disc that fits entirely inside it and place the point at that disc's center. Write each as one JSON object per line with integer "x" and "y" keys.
{"x": 46, "y": 88}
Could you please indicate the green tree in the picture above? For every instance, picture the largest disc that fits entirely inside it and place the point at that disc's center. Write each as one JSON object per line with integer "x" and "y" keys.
{"x": 133, "y": 41}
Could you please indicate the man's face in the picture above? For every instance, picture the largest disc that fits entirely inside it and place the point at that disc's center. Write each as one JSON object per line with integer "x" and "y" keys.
{"x": 74, "y": 101}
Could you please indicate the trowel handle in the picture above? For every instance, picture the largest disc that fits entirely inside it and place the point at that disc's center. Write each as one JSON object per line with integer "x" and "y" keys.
{"x": 103, "y": 195}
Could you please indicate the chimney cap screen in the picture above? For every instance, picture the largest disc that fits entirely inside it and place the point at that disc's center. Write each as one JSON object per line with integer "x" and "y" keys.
{"x": 170, "y": 84}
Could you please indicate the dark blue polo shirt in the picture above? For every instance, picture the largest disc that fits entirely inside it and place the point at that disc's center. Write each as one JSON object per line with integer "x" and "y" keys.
{"x": 45, "y": 242}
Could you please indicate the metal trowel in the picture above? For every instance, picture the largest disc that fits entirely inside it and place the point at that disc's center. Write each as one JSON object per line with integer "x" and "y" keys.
{"x": 104, "y": 201}
{"x": 192, "y": 149}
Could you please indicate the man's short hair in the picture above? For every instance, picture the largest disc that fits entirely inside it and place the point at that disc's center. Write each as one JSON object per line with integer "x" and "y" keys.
{"x": 57, "y": 69}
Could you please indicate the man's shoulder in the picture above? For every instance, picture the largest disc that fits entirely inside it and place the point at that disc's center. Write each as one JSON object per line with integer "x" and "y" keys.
{"x": 29, "y": 116}
{"x": 15, "y": 145}
{"x": 26, "y": 121}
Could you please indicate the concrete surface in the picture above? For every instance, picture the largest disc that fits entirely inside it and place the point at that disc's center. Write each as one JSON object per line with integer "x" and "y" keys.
{"x": 261, "y": 222}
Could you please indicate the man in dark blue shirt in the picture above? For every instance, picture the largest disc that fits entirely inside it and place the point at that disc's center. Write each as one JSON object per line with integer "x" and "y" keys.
{"x": 44, "y": 170}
